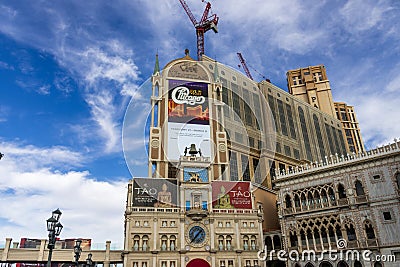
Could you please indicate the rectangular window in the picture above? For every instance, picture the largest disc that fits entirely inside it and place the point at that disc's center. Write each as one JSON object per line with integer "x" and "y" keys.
{"x": 251, "y": 141}
{"x": 204, "y": 205}
{"x": 278, "y": 148}
{"x": 387, "y": 215}
{"x": 282, "y": 118}
{"x": 272, "y": 169}
{"x": 248, "y": 114}
{"x": 287, "y": 151}
{"x": 257, "y": 172}
{"x": 187, "y": 205}
{"x": 233, "y": 167}
{"x": 271, "y": 104}
{"x": 239, "y": 137}
{"x": 245, "y": 168}
{"x": 257, "y": 110}
{"x": 296, "y": 153}
{"x": 291, "y": 122}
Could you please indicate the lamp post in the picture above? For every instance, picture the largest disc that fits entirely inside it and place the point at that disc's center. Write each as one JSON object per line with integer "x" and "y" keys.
{"x": 89, "y": 262}
{"x": 54, "y": 228}
{"x": 77, "y": 251}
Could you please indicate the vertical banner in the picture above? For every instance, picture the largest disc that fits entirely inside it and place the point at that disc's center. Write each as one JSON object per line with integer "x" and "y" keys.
{"x": 188, "y": 118}
{"x": 231, "y": 195}
{"x": 152, "y": 192}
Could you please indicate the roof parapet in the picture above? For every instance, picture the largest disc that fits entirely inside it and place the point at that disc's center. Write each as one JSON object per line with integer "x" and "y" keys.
{"x": 336, "y": 160}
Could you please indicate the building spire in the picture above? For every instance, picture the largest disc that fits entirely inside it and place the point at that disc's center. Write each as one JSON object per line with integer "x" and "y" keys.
{"x": 216, "y": 73}
{"x": 156, "y": 66}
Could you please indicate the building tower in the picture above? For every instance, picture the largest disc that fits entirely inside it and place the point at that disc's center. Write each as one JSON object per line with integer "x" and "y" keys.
{"x": 347, "y": 116}
{"x": 311, "y": 85}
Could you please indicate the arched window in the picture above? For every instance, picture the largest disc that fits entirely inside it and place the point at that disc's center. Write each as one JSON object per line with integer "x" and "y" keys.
{"x": 220, "y": 242}
{"x": 338, "y": 232}
{"x": 357, "y": 264}
{"x": 303, "y": 201}
{"x": 305, "y": 134}
{"x": 398, "y": 180}
{"x": 293, "y": 240}
{"x": 331, "y": 233}
{"x": 277, "y": 242}
{"x": 369, "y": 230}
{"x": 145, "y": 243}
{"x": 341, "y": 191}
{"x": 316, "y": 236}
{"x": 303, "y": 239}
{"x": 228, "y": 242}
{"x": 351, "y": 233}
{"x": 245, "y": 242}
{"x": 324, "y": 198}
{"x": 297, "y": 265}
{"x": 332, "y": 197}
{"x": 317, "y": 199}
{"x": 359, "y": 188}
{"x": 309, "y": 264}
{"x": 342, "y": 264}
{"x": 319, "y": 136}
{"x": 325, "y": 264}
{"x": 136, "y": 240}
{"x": 310, "y": 200}
{"x": 253, "y": 243}
{"x": 164, "y": 240}
{"x": 324, "y": 235}
{"x": 288, "y": 202}
{"x": 172, "y": 242}
{"x": 268, "y": 243}
{"x": 296, "y": 201}
{"x": 378, "y": 264}
{"x": 310, "y": 239}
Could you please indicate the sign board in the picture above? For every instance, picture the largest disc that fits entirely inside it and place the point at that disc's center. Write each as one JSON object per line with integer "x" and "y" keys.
{"x": 231, "y": 195}
{"x": 188, "y": 118}
{"x": 152, "y": 192}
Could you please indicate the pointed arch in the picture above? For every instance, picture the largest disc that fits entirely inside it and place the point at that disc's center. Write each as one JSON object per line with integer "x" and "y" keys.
{"x": 341, "y": 191}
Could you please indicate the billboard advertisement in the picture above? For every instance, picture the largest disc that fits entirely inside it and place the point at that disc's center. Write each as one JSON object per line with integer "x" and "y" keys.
{"x": 231, "y": 195}
{"x": 188, "y": 118}
{"x": 152, "y": 192}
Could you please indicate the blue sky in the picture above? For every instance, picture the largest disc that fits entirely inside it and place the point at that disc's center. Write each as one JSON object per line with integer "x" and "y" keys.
{"x": 68, "y": 70}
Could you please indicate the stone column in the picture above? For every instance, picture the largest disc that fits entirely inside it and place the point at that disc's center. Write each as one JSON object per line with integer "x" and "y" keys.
{"x": 107, "y": 255}
{"x": 6, "y": 249}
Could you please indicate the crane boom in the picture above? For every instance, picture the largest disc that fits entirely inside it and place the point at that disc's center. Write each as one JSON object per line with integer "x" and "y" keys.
{"x": 206, "y": 23}
{"x": 246, "y": 69}
{"x": 188, "y": 12}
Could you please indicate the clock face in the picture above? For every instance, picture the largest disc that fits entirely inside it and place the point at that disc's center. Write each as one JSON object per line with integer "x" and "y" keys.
{"x": 196, "y": 235}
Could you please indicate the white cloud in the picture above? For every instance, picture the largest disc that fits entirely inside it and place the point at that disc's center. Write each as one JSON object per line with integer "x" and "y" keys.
{"x": 91, "y": 208}
{"x": 361, "y": 15}
{"x": 29, "y": 157}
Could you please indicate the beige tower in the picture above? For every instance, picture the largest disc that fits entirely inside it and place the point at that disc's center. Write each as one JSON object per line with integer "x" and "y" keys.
{"x": 312, "y": 86}
{"x": 350, "y": 126}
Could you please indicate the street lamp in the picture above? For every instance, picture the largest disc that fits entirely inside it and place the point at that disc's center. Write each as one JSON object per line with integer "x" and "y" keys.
{"x": 54, "y": 228}
{"x": 77, "y": 251}
{"x": 89, "y": 262}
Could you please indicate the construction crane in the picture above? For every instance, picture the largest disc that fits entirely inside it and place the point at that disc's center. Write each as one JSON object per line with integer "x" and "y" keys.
{"x": 246, "y": 69}
{"x": 206, "y": 23}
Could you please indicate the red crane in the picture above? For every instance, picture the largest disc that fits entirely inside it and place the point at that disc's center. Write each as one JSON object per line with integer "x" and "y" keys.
{"x": 206, "y": 23}
{"x": 246, "y": 69}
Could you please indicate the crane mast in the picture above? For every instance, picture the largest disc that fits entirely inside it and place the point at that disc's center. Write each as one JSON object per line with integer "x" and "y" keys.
{"x": 206, "y": 23}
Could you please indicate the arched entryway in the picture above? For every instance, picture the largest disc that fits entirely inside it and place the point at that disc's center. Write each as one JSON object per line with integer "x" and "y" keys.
{"x": 198, "y": 263}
